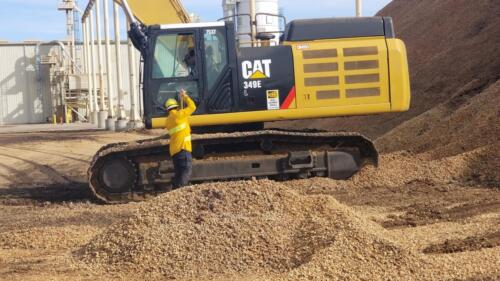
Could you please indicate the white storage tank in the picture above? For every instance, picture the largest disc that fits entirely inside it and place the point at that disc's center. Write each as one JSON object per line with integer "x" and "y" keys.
{"x": 265, "y": 23}
{"x": 229, "y": 8}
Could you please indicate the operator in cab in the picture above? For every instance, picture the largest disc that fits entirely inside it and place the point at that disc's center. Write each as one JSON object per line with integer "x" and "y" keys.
{"x": 180, "y": 138}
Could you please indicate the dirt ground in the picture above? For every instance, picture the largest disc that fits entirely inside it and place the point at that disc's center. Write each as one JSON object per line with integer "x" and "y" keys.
{"x": 47, "y": 215}
{"x": 430, "y": 211}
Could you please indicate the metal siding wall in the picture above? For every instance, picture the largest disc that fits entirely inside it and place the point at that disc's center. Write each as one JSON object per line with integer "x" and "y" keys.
{"x": 12, "y": 85}
{"x": 25, "y": 98}
{"x": 33, "y": 99}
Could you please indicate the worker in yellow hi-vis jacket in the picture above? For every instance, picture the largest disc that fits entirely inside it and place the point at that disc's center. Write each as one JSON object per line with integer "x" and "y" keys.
{"x": 180, "y": 138}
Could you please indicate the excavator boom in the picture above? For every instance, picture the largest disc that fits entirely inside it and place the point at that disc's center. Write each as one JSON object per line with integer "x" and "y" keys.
{"x": 153, "y": 12}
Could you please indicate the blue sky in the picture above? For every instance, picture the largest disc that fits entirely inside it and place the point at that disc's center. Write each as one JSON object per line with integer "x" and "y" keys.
{"x": 40, "y": 20}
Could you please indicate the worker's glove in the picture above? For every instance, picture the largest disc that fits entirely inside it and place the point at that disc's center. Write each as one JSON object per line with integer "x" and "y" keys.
{"x": 183, "y": 93}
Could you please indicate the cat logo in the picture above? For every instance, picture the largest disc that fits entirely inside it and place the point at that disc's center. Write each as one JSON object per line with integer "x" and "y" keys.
{"x": 258, "y": 69}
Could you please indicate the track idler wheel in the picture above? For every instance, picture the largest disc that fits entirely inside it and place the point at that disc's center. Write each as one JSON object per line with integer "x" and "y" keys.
{"x": 117, "y": 176}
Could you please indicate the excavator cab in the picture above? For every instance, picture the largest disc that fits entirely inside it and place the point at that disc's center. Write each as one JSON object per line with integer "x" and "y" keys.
{"x": 194, "y": 57}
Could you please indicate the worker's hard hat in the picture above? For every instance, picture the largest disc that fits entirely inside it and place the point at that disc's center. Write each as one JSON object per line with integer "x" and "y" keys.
{"x": 171, "y": 104}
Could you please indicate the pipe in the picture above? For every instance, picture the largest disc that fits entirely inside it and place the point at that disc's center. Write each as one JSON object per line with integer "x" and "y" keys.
{"x": 116, "y": 15}
{"x": 134, "y": 116}
{"x": 109, "y": 78}
{"x": 253, "y": 22}
{"x": 128, "y": 12}
{"x": 99, "y": 54}
{"x": 71, "y": 42}
{"x": 63, "y": 102}
{"x": 65, "y": 53}
{"x": 91, "y": 4}
{"x": 125, "y": 5}
{"x": 92, "y": 61}
{"x": 86, "y": 53}
{"x": 359, "y": 8}
{"x": 88, "y": 9}
{"x": 84, "y": 50}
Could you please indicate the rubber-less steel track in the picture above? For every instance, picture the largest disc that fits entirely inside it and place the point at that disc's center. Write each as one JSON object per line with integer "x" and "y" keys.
{"x": 134, "y": 171}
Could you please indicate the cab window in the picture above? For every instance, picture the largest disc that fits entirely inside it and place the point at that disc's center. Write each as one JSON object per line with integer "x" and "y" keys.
{"x": 215, "y": 55}
{"x": 174, "y": 56}
{"x": 174, "y": 67}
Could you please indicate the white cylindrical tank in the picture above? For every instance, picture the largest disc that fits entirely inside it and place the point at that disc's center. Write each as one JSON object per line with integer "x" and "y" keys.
{"x": 229, "y": 8}
{"x": 359, "y": 8}
{"x": 265, "y": 23}
{"x": 194, "y": 18}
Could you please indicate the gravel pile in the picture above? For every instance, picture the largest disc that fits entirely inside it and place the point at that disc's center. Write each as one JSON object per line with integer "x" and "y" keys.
{"x": 451, "y": 44}
{"x": 260, "y": 229}
{"x": 464, "y": 123}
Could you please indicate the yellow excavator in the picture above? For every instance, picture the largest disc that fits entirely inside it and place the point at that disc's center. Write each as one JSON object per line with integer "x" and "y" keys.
{"x": 321, "y": 68}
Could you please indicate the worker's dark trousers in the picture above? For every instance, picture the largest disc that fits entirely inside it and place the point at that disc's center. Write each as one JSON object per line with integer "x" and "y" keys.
{"x": 183, "y": 166}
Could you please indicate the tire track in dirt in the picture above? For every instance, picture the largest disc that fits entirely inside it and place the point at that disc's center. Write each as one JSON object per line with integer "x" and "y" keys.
{"x": 471, "y": 243}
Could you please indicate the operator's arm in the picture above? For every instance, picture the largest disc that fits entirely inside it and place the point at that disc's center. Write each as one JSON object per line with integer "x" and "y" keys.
{"x": 190, "y": 105}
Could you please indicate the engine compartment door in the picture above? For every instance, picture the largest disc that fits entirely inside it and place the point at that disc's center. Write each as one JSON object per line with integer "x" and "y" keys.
{"x": 341, "y": 72}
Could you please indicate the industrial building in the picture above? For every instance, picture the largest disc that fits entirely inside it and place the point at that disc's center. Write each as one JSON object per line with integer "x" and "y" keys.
{"x": 26, "y": 92}
{"x": 73, "y": 80}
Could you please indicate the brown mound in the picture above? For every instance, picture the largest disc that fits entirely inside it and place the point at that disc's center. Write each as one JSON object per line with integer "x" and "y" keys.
{"x": 450, "y": 43}
{"x": 461, "y": 124}
{"x": 483, "y": 166}
{"x": 250, "y": 228}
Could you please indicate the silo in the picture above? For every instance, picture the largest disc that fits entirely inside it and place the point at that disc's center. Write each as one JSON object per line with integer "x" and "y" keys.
{"x": 265, "y": 23}
{"x": 229, "y": 8}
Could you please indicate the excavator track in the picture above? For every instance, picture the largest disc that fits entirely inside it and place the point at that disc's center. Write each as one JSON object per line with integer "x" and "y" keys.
{"x": 135, "y": 171}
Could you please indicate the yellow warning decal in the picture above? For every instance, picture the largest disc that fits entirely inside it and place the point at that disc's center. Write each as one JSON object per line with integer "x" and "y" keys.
{"x": 273, "y": 99}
